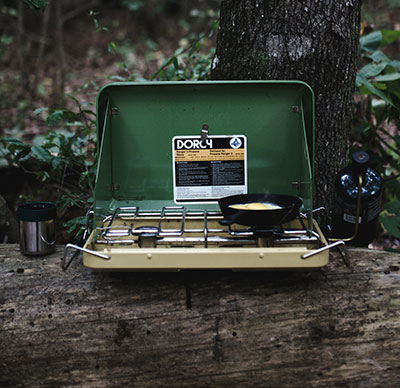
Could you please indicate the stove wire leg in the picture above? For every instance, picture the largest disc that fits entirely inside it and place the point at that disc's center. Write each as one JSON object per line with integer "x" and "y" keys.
{"x": 345, "y": 255}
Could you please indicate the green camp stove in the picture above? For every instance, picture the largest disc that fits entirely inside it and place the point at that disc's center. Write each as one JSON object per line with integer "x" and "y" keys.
{"x": 167, "y": 151}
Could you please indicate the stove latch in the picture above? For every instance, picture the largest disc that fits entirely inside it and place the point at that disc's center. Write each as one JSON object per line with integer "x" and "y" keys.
{"x": 113, "y": 187}
{"x": 300, "y": 185}
{"x": 204, "y": 133}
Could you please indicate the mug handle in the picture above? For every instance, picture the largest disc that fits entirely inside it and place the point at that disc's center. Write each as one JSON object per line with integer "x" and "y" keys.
{"x": 46, "y": 242}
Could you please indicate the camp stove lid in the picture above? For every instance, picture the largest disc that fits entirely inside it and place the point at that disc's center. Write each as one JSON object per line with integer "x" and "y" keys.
{"x": 136, "y": 123}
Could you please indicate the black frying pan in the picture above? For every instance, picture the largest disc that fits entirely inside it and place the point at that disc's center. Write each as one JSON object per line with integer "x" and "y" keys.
{"x": 289, "y": 210}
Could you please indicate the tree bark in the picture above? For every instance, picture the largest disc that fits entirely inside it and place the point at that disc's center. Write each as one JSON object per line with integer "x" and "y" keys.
{"x": 199, "y": 328}
{"x": 309, "y": 40}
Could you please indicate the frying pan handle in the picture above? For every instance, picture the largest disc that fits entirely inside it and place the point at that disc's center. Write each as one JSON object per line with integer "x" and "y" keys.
{"x": 227, "y": 221}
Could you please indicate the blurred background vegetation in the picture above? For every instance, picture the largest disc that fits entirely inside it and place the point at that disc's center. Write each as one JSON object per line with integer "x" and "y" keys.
{"x": 56, "y": 54}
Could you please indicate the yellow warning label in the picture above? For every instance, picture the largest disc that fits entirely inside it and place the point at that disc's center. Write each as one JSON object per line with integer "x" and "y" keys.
{"x": 209, "y": 155}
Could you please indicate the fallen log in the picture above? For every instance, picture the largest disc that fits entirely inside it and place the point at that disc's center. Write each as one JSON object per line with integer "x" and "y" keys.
{"x": 81, "y": 328}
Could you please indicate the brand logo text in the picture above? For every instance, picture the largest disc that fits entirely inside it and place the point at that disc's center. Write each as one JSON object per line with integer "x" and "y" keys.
{"x": 193, "y": 144}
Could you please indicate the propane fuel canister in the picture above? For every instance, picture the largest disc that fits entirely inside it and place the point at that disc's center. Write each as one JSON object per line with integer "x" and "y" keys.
{"x": 345, "y": 201}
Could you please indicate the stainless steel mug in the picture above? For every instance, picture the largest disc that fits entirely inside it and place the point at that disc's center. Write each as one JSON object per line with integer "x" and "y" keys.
{"x": 36, "y": 228}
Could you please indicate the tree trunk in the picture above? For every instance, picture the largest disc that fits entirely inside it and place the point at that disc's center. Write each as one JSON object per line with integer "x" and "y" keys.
{"x": 41, "y": 49}
{"x": 312, "y": 41}
{"x": 21, "y": 46}
{"x": 60, "y": 55}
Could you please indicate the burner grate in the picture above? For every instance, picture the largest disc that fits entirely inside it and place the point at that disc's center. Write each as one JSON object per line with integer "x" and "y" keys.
{"x": 175, "y": 226}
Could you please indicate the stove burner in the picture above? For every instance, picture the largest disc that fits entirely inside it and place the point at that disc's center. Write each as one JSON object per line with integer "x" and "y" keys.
{"x": 148, "y": 236}
{"x": 267, "y": 232}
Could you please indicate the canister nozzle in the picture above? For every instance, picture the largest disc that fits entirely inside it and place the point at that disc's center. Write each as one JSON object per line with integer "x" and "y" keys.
{"x": 360, "y": 163}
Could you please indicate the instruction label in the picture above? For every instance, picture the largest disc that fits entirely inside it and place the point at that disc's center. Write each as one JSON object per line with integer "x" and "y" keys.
{"x": 206, "y": 171}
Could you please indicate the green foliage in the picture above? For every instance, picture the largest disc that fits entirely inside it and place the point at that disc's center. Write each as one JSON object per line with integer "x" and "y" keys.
{"x": 61, "y": 159}
{"x": 377, "y": 117}
{"x": 132, "y": 5}
{"x": 377, "y": 39}
{"x": 93, "y": 15}
{"x": 36, "y": 4}
{"x": 185, "y": 65}
{"x": 390, "y": 218}
{"x": 191, "y": 63}
{"x": 76, "y": 226}
{"x": 380, "y": 76}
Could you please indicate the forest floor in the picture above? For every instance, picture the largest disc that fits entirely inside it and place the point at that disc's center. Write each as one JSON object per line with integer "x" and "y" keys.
{"x": 99, "y": 48}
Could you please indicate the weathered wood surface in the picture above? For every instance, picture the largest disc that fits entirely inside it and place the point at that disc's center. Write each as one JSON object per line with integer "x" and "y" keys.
{"x": 213, "y": 328}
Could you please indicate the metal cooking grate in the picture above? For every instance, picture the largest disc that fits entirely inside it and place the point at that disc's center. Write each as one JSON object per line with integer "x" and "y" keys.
{"x": 176, "y": 226}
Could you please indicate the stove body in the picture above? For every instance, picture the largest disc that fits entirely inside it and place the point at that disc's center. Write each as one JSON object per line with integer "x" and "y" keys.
{"x": 169, "y": 150}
